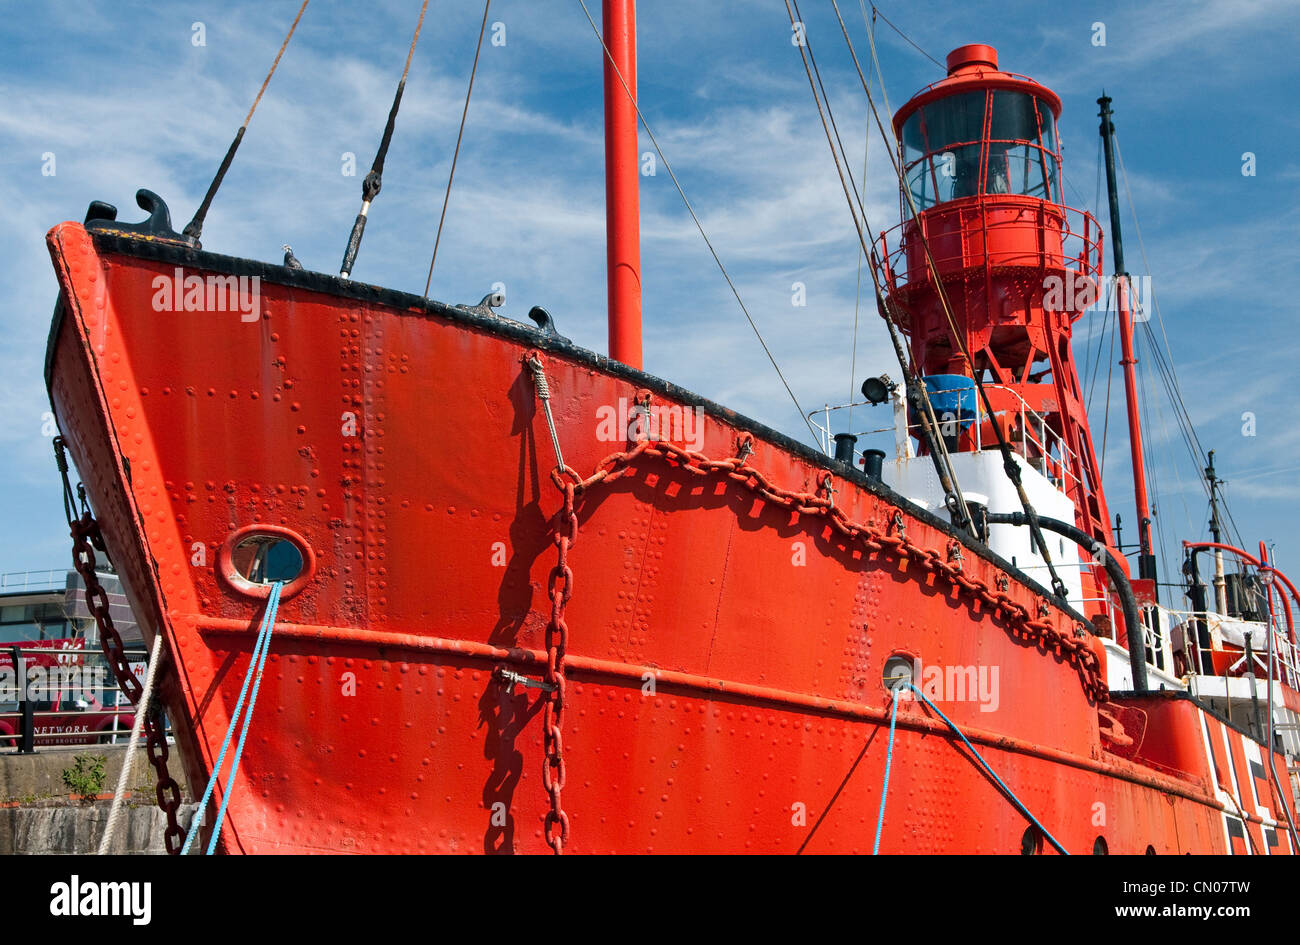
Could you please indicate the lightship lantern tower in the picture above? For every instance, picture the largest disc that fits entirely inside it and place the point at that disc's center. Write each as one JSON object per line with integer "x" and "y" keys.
{"x": 989, "y": 270}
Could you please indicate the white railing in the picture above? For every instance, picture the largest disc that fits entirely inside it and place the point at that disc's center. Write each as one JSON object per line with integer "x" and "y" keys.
{"x": 1055, "y": 460}
{"x": 1285, "y": 653}
{"x": 52, "y": 579}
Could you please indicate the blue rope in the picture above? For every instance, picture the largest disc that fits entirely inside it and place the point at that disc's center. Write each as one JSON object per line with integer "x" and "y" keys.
{"x": 272, "y": 605}
{"x": 260, "y": 649}
{"x": 889, "y": 761}
{"x": 984, "y": 764}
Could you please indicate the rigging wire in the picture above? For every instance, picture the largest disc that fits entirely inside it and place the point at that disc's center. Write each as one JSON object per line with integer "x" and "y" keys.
{"x": 1180, "y": 484}
{"x": 1164, "y": 361}
{"x": 1194, "y": 442}
{"x": 1146, "y": 408}
{"x": 939, "y": 453}
{"x": 194, "y": 229}
{"x": 1008, "y": 463}
{"x": 698, "y": 225}
{"x": 1187, "y": 434}
{"x": 373, "y": 181}
{"x": 857, "y": 292}
{"x": 1232, "y": 523}
{"x": 875, "y": 11}
{"x": 1105, "y": 427}
{"x": 446, "y": 197}
{"x": 1170, "y": 384}
{"x": 1096, "y": 192}
{"x": 1154, "y": 368}
{"x": 1082, "y": 200}
{"x": 1094, "y": 358}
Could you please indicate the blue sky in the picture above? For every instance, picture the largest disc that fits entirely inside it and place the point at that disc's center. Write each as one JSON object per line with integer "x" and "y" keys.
{"x": 122, "y": 97}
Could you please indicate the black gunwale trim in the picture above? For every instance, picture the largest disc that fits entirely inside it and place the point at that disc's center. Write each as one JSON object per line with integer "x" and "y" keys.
{"x": 106, "y": 240}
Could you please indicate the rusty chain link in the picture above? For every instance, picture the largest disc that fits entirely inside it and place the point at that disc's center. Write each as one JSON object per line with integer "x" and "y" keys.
{"x": 556, "y": 825}
{"x": 86, "y": 537}
{"x": 947, "y": 566}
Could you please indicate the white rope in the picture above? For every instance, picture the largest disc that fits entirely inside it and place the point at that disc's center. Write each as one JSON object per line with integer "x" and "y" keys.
{"x": 115, "y": 812}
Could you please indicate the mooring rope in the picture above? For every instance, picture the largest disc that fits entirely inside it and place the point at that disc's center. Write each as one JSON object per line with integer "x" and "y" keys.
{"x": 146, "y": 695}
{"x": 373, "y": 181}
{"x": 889, "y": 762}
{"x": 194, "y": 229}
{"x": 254, "y": 677}
{"x": 989, "y": 771}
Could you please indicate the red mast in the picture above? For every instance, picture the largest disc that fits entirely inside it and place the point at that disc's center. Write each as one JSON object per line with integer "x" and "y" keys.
{"x": 622, "y": 207}
{"x": 1146, "y": 558}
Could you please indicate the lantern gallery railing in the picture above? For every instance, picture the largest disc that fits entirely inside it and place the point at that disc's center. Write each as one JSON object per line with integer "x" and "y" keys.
{"x": 1008, "y": 232}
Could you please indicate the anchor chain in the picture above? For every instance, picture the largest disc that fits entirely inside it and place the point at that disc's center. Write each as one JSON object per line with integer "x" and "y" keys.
{"x": 947, "y": 567}
{"x": 85, "y": 534}
{"x": 556, "y": 824}
{"x": 86, "y": 537}
{"x": 1034, "y": 628}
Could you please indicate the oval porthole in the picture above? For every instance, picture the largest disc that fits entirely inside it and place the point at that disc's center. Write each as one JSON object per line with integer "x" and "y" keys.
{"x": 1031, "y": 842}
{"x": 1099, "y": 847}
{"x": 899, "y": 672}
{"x": 265, "y": 559}
{"x": 257, "y": 556}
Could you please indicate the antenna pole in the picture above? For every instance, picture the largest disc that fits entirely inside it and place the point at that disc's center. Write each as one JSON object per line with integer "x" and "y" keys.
{"x": 622, "y": 205}
{"x": 1146, "y": 560}
{"x": 1220, "y": 589}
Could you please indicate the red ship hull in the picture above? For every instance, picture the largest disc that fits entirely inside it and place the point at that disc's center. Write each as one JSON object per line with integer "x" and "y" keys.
{"x": 726, "y": 649}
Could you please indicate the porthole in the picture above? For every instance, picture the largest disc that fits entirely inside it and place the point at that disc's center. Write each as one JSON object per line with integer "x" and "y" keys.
{"x": 898, "y": 673}
{"x": 1031, "y": 842}
{"x": 265, "y": 559}
{"x": 255, "y": 557}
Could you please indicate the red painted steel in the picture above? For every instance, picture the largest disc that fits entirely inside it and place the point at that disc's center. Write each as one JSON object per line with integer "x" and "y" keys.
{"x": 726, "y": 653}
{"x": 622, "y": 180}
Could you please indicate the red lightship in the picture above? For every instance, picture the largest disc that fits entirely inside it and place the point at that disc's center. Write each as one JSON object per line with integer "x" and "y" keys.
{"x": 540, "y": 600}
